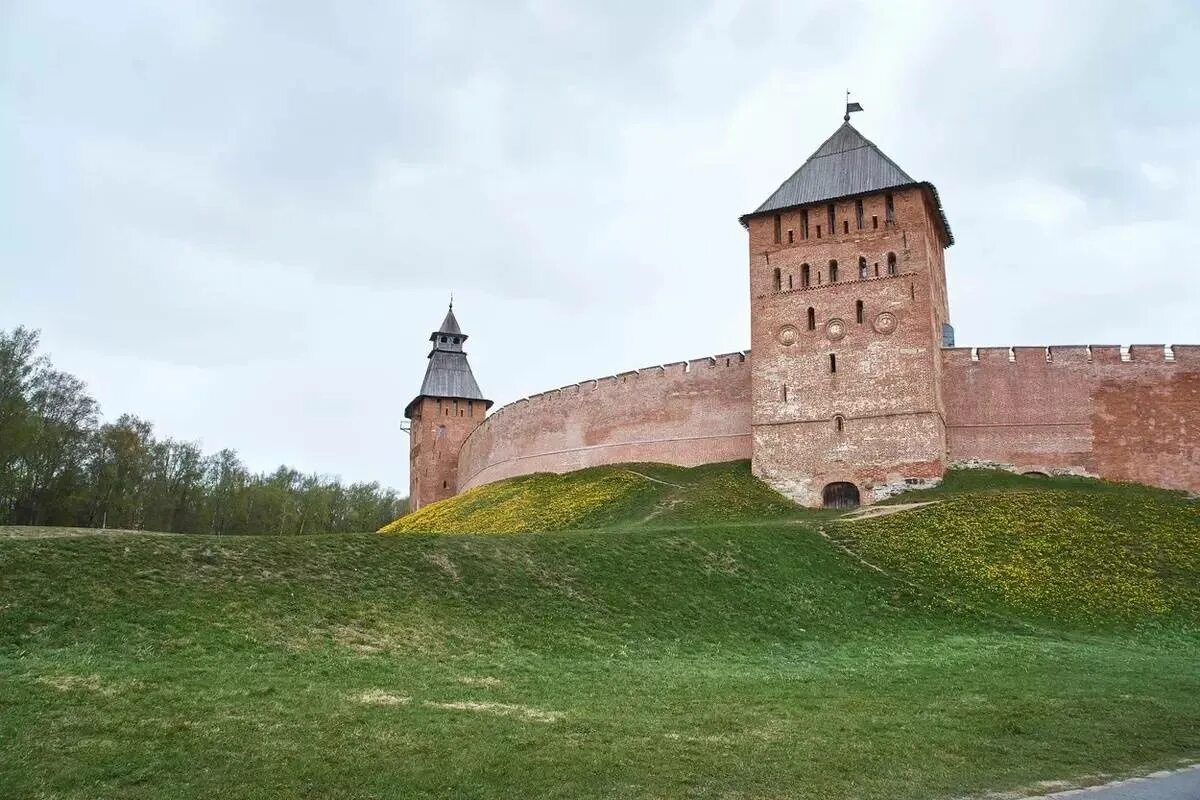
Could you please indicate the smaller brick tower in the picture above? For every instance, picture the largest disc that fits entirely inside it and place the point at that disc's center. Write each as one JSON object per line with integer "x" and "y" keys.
{"x": 445, "y": 412}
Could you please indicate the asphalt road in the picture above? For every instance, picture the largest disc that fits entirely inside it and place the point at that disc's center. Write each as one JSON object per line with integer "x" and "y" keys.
{"x": 1182, "y": 785}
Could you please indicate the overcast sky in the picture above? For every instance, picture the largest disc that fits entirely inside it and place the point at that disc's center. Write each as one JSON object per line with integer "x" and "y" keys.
{"x": 241, "y": 221}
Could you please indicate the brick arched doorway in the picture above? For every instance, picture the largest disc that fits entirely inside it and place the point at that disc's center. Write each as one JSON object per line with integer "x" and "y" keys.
{"x": 841, "y": 495}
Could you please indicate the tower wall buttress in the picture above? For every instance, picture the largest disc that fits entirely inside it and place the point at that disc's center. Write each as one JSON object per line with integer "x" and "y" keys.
{"x": 848, "y": 392}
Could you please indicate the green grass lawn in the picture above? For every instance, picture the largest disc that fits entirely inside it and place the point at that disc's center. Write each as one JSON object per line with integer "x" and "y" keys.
{"x": 624, "y": 496}
{"x": 709, "y": 643}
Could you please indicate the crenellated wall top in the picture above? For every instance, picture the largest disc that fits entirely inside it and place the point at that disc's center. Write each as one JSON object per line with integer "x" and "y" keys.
{"x": 1184, "y": 354}
{"x": 733, "y": 360}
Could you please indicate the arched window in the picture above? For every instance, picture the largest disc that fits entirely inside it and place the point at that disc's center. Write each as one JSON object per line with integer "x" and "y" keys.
{"x": 862, "y": 268}
{"x": 785, "y": 393}
{"x": 805, "y": 275}
{"x": 839, "y": 423}
{"x": 832, "y": 363}
{"x": 443, "y": 340}
{"x": 812, "y": 318}
{"x": 858, "y": 212}
{"x": 858, "y": 311}
{"x": 833, "y": 272}
{"x": 789, "y": 283}
{"x": 891, "y": 259}
{"x": 777, "y": 278}
{"x": 889, "y": 208}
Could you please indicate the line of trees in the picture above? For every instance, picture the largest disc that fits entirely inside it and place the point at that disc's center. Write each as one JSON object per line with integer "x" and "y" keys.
{"x": 61, "y": 465}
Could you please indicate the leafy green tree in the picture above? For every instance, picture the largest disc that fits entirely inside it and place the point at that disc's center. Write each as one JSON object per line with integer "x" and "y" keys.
{"x": 60, "y": 466}
{"x": 64, "y": 419}
{"x": 19, "y": 364}
{"x": 226, "y": 479}
{"x": 120, "y": 465}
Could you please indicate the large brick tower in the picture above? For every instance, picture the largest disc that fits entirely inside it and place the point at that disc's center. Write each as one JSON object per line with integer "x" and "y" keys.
{"x": 848, "y": 315}
{"x": 448, "y": 407}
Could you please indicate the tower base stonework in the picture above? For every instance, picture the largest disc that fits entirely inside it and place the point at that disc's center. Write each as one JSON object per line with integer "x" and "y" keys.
{"x": 803, "y": 460}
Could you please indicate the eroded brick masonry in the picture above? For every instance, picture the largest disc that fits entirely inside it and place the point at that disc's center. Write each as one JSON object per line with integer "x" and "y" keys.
{"x": 852, "y": 390}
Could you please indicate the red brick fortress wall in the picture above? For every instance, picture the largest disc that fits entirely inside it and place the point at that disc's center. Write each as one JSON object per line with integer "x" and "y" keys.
{"x": 687, "y": 413}
{"x": 1127, "y": 416}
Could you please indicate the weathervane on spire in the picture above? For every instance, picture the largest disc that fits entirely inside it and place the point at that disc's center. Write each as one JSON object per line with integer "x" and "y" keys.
{"x": 452, "y": 301}
{"x": 851, "y": 107}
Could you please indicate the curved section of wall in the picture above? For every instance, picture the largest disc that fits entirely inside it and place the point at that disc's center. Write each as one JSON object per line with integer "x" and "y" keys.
{"x": 686, "y": 413}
